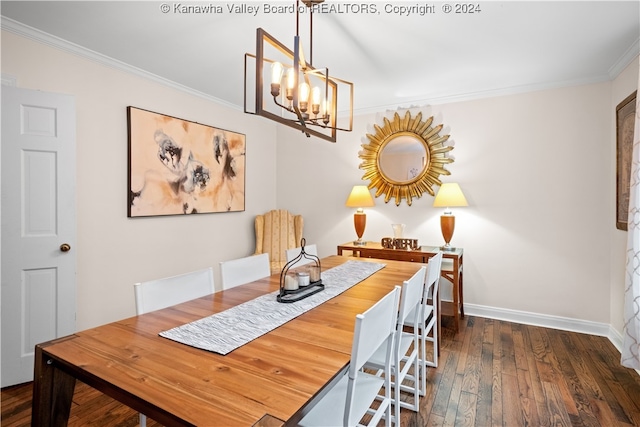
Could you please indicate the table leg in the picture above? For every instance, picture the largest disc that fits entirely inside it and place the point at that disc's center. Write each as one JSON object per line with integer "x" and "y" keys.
{"x": 456, "y": 300}
{"x": 460, "y": 281}
{"x": 52, "y": 393}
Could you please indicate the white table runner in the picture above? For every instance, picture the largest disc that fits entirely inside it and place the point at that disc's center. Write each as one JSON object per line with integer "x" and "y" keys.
{"x": 225, "y": 331}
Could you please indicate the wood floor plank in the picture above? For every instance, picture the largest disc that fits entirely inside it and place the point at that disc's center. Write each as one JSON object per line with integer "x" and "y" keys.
{"x": 485, "y": 385}
{"x": 605, "y": 378}
{"x": 508, "y": 353}
{"x": 496, "y": 378}
{"x": 491, "y": 373}
{"x": 454, "y": 399}
{"x": 543, "y": 353}
{"x": 528, "y": 406}
{"x": 520, "y": 353}
{"x": 562, "y": 383}
{"x": 574, "y": 383}
{"x": 583, "y": 364}
{"x": 556, "y": 409}
{"x": 445, "y": 387}
{"x": 471, "y": 375}
{"x": 536, "y": 383}
{"x": 511, "y": 411}
{"x": 466, "y": 410}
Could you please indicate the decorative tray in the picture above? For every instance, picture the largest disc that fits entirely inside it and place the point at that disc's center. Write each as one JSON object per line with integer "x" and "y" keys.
{"x": 301, "y": 293}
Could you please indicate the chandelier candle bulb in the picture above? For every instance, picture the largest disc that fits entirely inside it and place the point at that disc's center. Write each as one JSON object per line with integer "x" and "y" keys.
{"x": 291, "y": 83}
{"x": 315, "y": 100}
{"x": 304, "y": 97}
{"x": 323, "y": 111}
{"x": 276, "y": 77}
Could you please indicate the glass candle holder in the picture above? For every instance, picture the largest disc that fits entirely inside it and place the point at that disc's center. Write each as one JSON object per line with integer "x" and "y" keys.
{"x": 291, "y": 281}
{"x": 398, "y": 230}
{"x": 314, "y": 273}
{"x": 303, "y": 278}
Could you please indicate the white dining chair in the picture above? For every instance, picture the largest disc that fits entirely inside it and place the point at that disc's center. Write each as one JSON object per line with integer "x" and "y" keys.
{"x": 239, "y": 271}
{"x": 406, "y": 347}
{"x": 428, "y": 320}
{"x": 162, "y": 293}
{"x": 352, "y": 396}
{"x": 308, "y": 249}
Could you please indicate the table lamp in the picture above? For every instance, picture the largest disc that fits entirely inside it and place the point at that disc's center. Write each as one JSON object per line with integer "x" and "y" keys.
{"x": 360, "y": 197}
{"x": 449, "y": 195}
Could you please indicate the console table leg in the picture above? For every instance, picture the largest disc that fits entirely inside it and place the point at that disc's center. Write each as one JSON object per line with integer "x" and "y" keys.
{"x": 456, "y": 306}
{"x": 461, "y": 294}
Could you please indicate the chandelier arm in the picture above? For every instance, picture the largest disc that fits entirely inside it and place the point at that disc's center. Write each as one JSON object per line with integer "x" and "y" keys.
{"x": 313, "y": 122}
{"x": 288, "y": 108}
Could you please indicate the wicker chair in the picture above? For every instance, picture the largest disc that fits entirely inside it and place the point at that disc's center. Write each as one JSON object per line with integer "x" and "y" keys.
{"x": 277, "y": 231}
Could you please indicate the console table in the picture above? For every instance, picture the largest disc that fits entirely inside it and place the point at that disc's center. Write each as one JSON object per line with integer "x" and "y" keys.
{"x": 451, "y": 268}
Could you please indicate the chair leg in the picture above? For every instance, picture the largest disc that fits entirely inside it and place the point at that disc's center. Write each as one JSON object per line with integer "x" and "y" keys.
{"x": 423, "y": 367}
{"x": 143, "y": 420}
{"x": 436, "y": 346}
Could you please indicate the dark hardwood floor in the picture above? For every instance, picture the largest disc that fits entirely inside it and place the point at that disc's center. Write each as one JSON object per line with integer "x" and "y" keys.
{"x": 492, "y": 373}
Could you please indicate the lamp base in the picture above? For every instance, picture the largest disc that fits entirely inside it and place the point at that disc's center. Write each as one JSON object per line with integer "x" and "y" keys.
{"x": 447, "y": 224}
{"x": 360, "y": 221}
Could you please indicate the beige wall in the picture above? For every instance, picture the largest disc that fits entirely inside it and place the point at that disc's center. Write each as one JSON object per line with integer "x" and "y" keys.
{"x": 538, "y": 170}
{"x": 539, "y": 174}
{"x": 114, "y": 251}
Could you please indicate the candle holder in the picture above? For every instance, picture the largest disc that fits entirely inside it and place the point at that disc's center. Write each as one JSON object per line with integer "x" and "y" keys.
{"x": 301, "y": 282}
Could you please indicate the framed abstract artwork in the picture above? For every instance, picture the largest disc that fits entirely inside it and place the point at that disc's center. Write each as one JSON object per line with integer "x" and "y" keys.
{"x": 625, "y": 122}
{"x": 179, "y": 167}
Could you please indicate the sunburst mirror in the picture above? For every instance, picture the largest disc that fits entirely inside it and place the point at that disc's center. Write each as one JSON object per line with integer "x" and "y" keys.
{"x": 405, "y": 157}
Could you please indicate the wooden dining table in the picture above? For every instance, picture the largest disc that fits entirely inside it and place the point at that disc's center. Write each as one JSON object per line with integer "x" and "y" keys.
{"x": 273, "y": 380}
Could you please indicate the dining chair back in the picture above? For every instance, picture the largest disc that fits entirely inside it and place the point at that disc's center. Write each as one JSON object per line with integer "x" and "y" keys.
{"x": 239, "y": 271}
{"x": 428, "y": 320}
{"x": 406, "y": 347}
{"x": 308, "y": 249}
{"x": 161, "y": 293}
{"x": 357, "y": 390}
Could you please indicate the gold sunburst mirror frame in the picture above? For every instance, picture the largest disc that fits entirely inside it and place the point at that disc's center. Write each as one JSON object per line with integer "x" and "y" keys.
{"x": 405, "y": 138}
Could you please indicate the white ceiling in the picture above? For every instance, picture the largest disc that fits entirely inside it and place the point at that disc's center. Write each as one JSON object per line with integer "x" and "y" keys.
{"x": 392, "y": 59}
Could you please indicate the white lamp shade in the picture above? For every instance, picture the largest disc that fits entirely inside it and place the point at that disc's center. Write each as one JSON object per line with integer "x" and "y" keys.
{"x": 360, "y": 197}
{"x": 449, "y": 195}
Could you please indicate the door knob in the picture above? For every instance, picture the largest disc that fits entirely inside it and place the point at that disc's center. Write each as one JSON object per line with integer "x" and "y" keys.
{"x": 65, "y": 247}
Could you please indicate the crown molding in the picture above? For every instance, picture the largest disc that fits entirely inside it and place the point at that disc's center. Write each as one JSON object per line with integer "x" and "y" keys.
{"x": 630, "y": 55}
{"x": 627, "y": 58}
{"x": 34, "y": 34}
{"x": 484, "y": 94}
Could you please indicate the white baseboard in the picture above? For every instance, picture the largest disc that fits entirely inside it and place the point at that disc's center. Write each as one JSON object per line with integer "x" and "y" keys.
{"x": 547, "y": 321}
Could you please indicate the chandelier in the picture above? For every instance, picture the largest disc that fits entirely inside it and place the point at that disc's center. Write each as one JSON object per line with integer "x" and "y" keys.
{"x": 299, "y": 95}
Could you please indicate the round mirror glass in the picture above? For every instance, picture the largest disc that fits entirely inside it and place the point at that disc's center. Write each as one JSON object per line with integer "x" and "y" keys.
{"x": 403, "y": 158}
